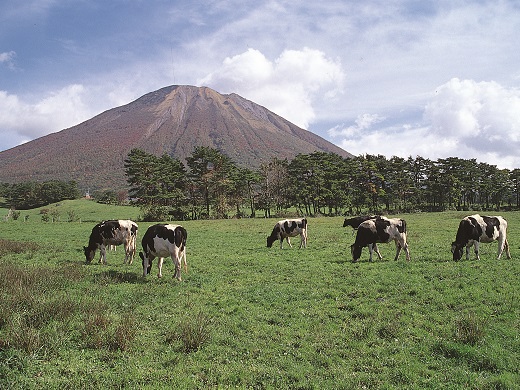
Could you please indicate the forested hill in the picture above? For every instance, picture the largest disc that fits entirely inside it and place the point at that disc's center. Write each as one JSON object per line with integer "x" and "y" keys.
{"x": 173, "y": 120}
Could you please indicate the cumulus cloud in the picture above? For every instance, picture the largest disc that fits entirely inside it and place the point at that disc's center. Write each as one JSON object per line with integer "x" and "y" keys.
{"x": 362, "y": 122}
{"x": 7, "y": 58}
{"x": 56, "y": 111}
{"x": 289, "y": 85}
{"x": 463, "y": 118}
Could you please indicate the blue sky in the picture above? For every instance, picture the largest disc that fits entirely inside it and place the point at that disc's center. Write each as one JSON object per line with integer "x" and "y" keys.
{"x": 392, "y": 77}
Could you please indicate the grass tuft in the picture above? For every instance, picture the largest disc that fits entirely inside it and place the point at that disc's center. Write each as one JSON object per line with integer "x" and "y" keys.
{"x": 193, "y": 332}
{"x": 469, "y": 329}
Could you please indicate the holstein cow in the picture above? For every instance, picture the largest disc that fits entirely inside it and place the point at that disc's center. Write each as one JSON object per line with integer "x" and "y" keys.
{"x": 108, "y": 233}
{"x": 164, "y": 241}
{"x": 475, "y": 229}
{"x": 289, "y": 228}
{"x": 380, "y": 230}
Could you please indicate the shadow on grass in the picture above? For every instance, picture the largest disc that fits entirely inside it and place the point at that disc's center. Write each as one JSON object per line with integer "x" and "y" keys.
{"x": 116, "y": 277}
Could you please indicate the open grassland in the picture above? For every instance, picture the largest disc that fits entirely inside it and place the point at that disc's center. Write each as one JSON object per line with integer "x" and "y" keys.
{"x": 246, "y": 316}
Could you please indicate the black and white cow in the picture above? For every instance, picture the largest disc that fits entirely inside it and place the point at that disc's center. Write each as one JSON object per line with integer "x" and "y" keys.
{"x": 289, "y": 228}
{"x": 164, "y": 240}
{"x": 475, "y": 229}
{"x": 380, "y": 230}
{"x": 113, "y": 232}
{"x": 354, "y": 222}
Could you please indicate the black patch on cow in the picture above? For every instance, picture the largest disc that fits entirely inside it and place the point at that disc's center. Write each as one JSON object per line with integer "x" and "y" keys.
{"x": 354, "y": 222}
{"x": 401, "y": 228}
{"x": 491, "y": 224}
{"x": 103, "y": 230}
{"x": 381, "y": 227}
{"x": 289, "y": 226}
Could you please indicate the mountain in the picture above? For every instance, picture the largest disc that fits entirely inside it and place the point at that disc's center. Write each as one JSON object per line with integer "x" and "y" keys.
{"x": 172, "y": 120}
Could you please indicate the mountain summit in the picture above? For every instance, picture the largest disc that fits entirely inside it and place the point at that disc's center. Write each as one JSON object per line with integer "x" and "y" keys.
{"x": 172, "y": 120}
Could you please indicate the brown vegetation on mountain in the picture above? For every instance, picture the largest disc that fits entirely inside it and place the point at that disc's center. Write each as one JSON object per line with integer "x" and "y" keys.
{"x": 172, "y": 120}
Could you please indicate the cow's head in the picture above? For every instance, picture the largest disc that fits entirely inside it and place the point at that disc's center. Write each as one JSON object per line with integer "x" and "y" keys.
{"x": 457, "y": 250}
{"x": 89, "y": 253}
{"x": 270, "y": 240}
{"x": 356, "y": 252}
{"x": 148, "y": 266}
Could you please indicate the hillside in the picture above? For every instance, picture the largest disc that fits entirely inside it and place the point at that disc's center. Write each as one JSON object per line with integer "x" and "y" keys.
{"x": 172, "y": 120}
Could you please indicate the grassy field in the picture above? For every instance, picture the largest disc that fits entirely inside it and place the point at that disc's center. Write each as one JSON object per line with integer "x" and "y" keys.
{"x": 246, "y": 316}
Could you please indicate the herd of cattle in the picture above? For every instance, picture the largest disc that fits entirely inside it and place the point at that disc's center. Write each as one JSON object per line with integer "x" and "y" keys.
{"x": 167, "y": 240}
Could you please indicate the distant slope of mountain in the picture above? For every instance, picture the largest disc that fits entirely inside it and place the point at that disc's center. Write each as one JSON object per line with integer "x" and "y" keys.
{"x": 172, "y": 120}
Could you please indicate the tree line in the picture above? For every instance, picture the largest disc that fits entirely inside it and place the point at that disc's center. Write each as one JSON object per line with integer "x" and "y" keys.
{"x": 32, "y": 194}
{"x": 211, "y": 185}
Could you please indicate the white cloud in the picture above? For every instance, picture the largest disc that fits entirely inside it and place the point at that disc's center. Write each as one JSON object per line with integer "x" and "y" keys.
{"x": 484, "y": 116}
{"x": 464, "y": 118}
{"x": 362, "y": 122}
{"x": 7, "y": 58}
{"x": 288, "y": 86}
{"x": 58, "y": 110}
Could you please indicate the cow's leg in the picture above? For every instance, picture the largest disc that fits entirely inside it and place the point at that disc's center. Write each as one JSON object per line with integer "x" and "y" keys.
{"x": 183, "y": 257}
{"x": 103, "y": 254}
{"x": 406, "y": 251}
{"x": 133, "y": 249}
{"x": 468, "y": 249}
{"x": 176, "y": 256}
{"x": 502, "y": 244}
{"x": 148, "y": 259}
{"x": 159, "y": 264}
{"x": 397, "y": 249}
{"x": 376, "y": 249}
{"x": 288, "y": 241}
{"x": 477, "y": 253}
{"x": 370, "y": 250}
{"x": 304, "y": 239}
{"x": 127, "y": 248}
{"x": 506, "y": 247}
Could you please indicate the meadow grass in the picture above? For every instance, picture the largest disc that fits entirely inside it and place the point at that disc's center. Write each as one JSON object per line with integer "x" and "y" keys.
{"x": 246, "y": 316}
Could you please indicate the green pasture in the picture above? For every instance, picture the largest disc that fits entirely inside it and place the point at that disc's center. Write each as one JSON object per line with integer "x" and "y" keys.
{"x": 246, "y": 316}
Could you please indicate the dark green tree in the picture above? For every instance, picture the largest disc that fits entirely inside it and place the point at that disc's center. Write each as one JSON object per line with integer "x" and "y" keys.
{"x": 210, "y": 173}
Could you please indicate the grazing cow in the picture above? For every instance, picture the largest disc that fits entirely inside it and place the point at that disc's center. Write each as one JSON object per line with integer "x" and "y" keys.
{"x": 380, "y": 230}
{"x": 475, "y": 229}
{"x": 162, "y": 241}
{"x": 108, "y": 233}
{"x": 354, "y": 222}
{"x": 289, "y": 228}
